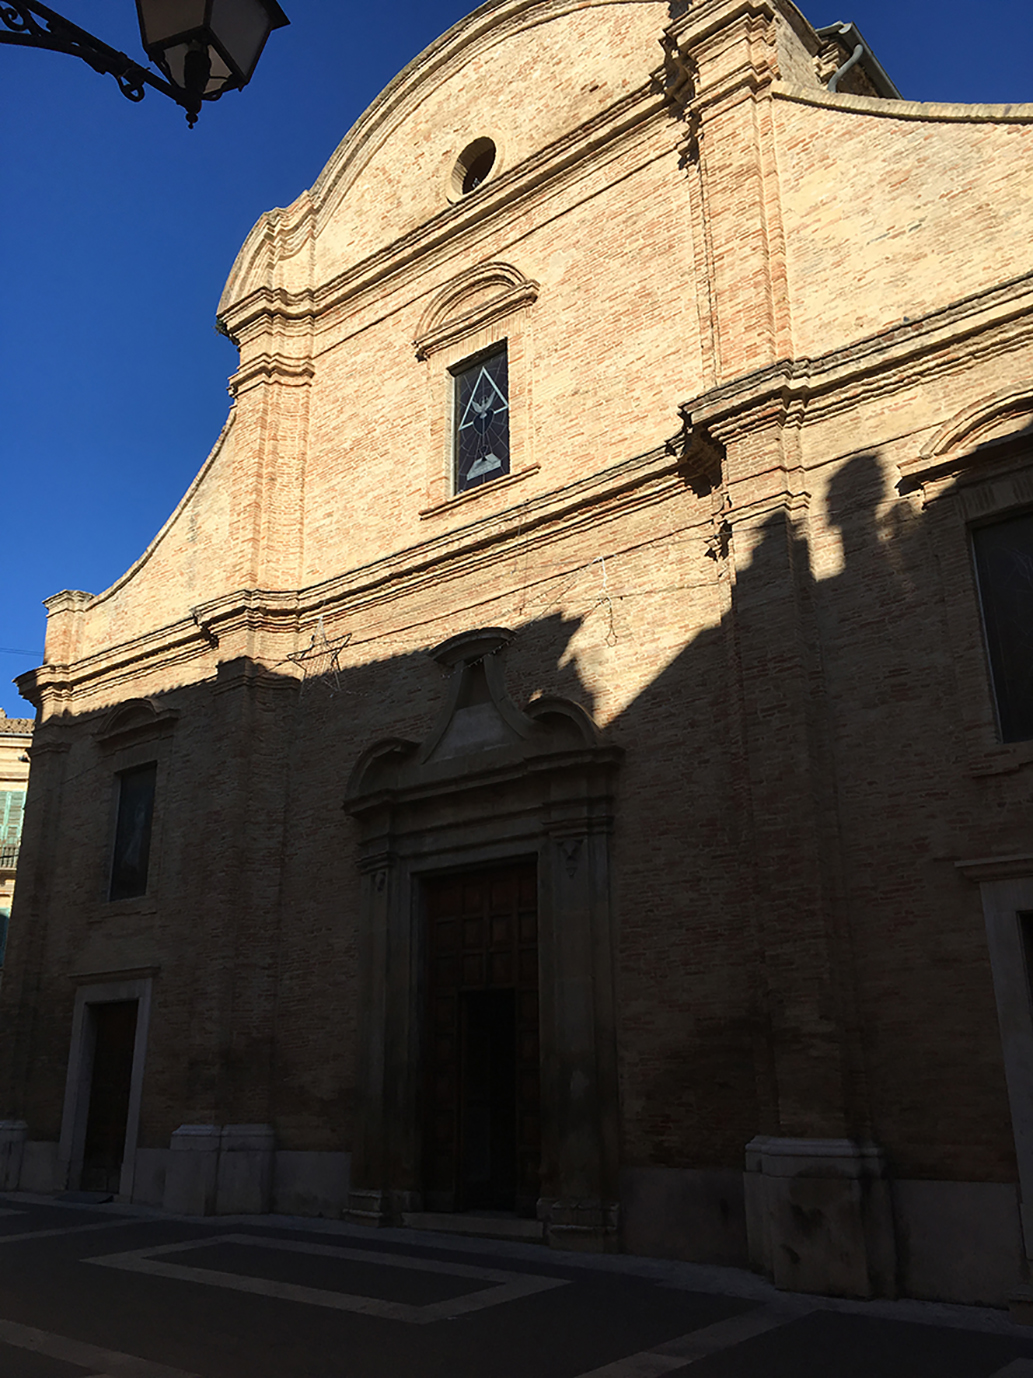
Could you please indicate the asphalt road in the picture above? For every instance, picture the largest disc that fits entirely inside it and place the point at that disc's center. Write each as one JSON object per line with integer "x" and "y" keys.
{"x": 119, "y": 1292}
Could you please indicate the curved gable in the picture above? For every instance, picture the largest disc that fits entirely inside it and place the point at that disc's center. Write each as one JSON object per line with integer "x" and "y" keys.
{"x": 522, "y": 73}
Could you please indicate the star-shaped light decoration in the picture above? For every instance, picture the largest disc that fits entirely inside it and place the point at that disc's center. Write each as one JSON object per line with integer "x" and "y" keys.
{"x": 321, "y": 658}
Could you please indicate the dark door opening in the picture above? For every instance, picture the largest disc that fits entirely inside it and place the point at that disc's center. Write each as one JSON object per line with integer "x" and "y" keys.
{"x": 487, "y": 1101}
{"x": 114, "y": 1027}
{"x": 481, "y": 1134}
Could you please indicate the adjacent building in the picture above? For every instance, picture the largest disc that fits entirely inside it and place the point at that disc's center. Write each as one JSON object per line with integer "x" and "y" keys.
{"x": 15, "y": 739}
{"x": 569, "y": 753}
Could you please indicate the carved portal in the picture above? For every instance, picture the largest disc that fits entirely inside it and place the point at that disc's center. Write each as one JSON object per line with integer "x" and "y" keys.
{"x": 490, "y": 785}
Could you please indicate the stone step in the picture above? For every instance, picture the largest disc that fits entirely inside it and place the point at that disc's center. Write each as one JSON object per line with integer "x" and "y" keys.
{"x": 479, "y": 1226}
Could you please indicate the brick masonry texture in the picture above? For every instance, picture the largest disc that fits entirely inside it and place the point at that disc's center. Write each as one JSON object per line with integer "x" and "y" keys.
{"x": 735, "y": 533}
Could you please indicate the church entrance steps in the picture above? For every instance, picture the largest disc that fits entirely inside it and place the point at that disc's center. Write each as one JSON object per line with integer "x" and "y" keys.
{"x": 480, "y": 1224}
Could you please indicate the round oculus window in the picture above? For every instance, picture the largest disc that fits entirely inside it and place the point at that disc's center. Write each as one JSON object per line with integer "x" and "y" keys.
{"x": 473, "y": 166}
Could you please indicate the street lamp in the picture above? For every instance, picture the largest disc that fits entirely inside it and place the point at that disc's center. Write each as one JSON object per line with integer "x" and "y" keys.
{"x": 207, "y": 46}
{"x": 204, "y": 47}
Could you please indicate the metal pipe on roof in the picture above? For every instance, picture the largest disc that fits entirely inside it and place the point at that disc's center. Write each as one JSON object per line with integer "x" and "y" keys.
{"x": 872, "y": 66}
{"x": 854, "y": 58}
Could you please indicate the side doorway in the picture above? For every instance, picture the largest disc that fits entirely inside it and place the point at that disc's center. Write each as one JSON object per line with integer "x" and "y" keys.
{"x": 101, "y": 1119}
{"x": 481, "y": 1122}
{"x": 1008, "y": 912}
{"x": 113, "y": 1038}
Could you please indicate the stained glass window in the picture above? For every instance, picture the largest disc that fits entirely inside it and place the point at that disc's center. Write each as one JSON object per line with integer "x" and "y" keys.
{"x": 1004, "y": 565}
{"x": 133, "y": 832}
{"x": 481, "y": 421}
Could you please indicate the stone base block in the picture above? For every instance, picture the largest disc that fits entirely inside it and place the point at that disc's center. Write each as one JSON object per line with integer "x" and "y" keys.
{"x": 13, "y": 1134}
{"x": 695, "y": 1215}
{"x": 300, "y": 1182}
{"x": 149, "y": 1176}
{"x": 192, "y": 1170}
{"x": 819, "y": 1216}
{"x": 212, "y": 1169}
{"x": 310, "y": 1183}
{"x": 590, "y": 1227}
{"x": 367, "y": 1207}
{"x": 1020, "y": 1306}
{"x": 42, "y": 1170}
{"x": 244, "y": 1182}
{"x": 959, "y": 1241}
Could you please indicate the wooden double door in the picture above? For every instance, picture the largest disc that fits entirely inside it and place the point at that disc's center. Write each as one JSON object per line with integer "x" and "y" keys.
{"x": 481, "y": 1132}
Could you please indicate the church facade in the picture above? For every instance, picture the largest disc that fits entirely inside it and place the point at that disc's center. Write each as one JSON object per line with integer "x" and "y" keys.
{"x": 566, "y": 761}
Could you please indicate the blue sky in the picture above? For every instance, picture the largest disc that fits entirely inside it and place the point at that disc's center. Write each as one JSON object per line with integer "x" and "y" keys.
{"x": 120, "y": 226}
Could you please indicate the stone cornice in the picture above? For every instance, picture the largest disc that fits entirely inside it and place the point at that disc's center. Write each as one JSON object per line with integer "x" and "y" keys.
{"x": 50, "y": 747}
{"x": 269, "y": 368}
{"x": 850, "y": 376}
{"x": 747, "y": 26}
{"x": 134, "y": 721}
{"x": 994, "y": 431}
{"x": 458, "y": 500}
{"x": 941, "y": 112}
{"x": 992, "y": 868}
{"x": 499, "y": 771}
{"x": 642, "y": 481}
{"x": 68, "y": 600}
{"x": 575, "y": 154}
{"x": 266, "y": 309}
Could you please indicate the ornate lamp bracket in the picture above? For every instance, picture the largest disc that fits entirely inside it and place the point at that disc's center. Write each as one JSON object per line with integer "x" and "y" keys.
{"x": 29, "y": 25}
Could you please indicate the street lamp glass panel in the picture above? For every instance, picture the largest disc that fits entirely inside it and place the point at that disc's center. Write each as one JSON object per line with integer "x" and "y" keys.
{"x": 173, "y": 60}
{"x": 162, "y": 20}
{"x": 240, "y": 28}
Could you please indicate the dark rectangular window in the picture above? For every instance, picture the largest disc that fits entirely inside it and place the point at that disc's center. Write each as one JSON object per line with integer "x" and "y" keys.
{"x": 133, "y": 832}
{"x": 481, "y": 420}
{"x": 1004, "y": 567}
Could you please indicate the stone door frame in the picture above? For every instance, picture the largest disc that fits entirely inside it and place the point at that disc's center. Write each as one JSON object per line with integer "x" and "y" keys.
{"x": 1006, "y": 890}
{"x": 80, "y": 1074}
{"x": 534, "y": 784}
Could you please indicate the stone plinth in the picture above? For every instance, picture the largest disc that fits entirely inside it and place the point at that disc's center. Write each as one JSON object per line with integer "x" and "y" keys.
{"x": 818, "y": 1216}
